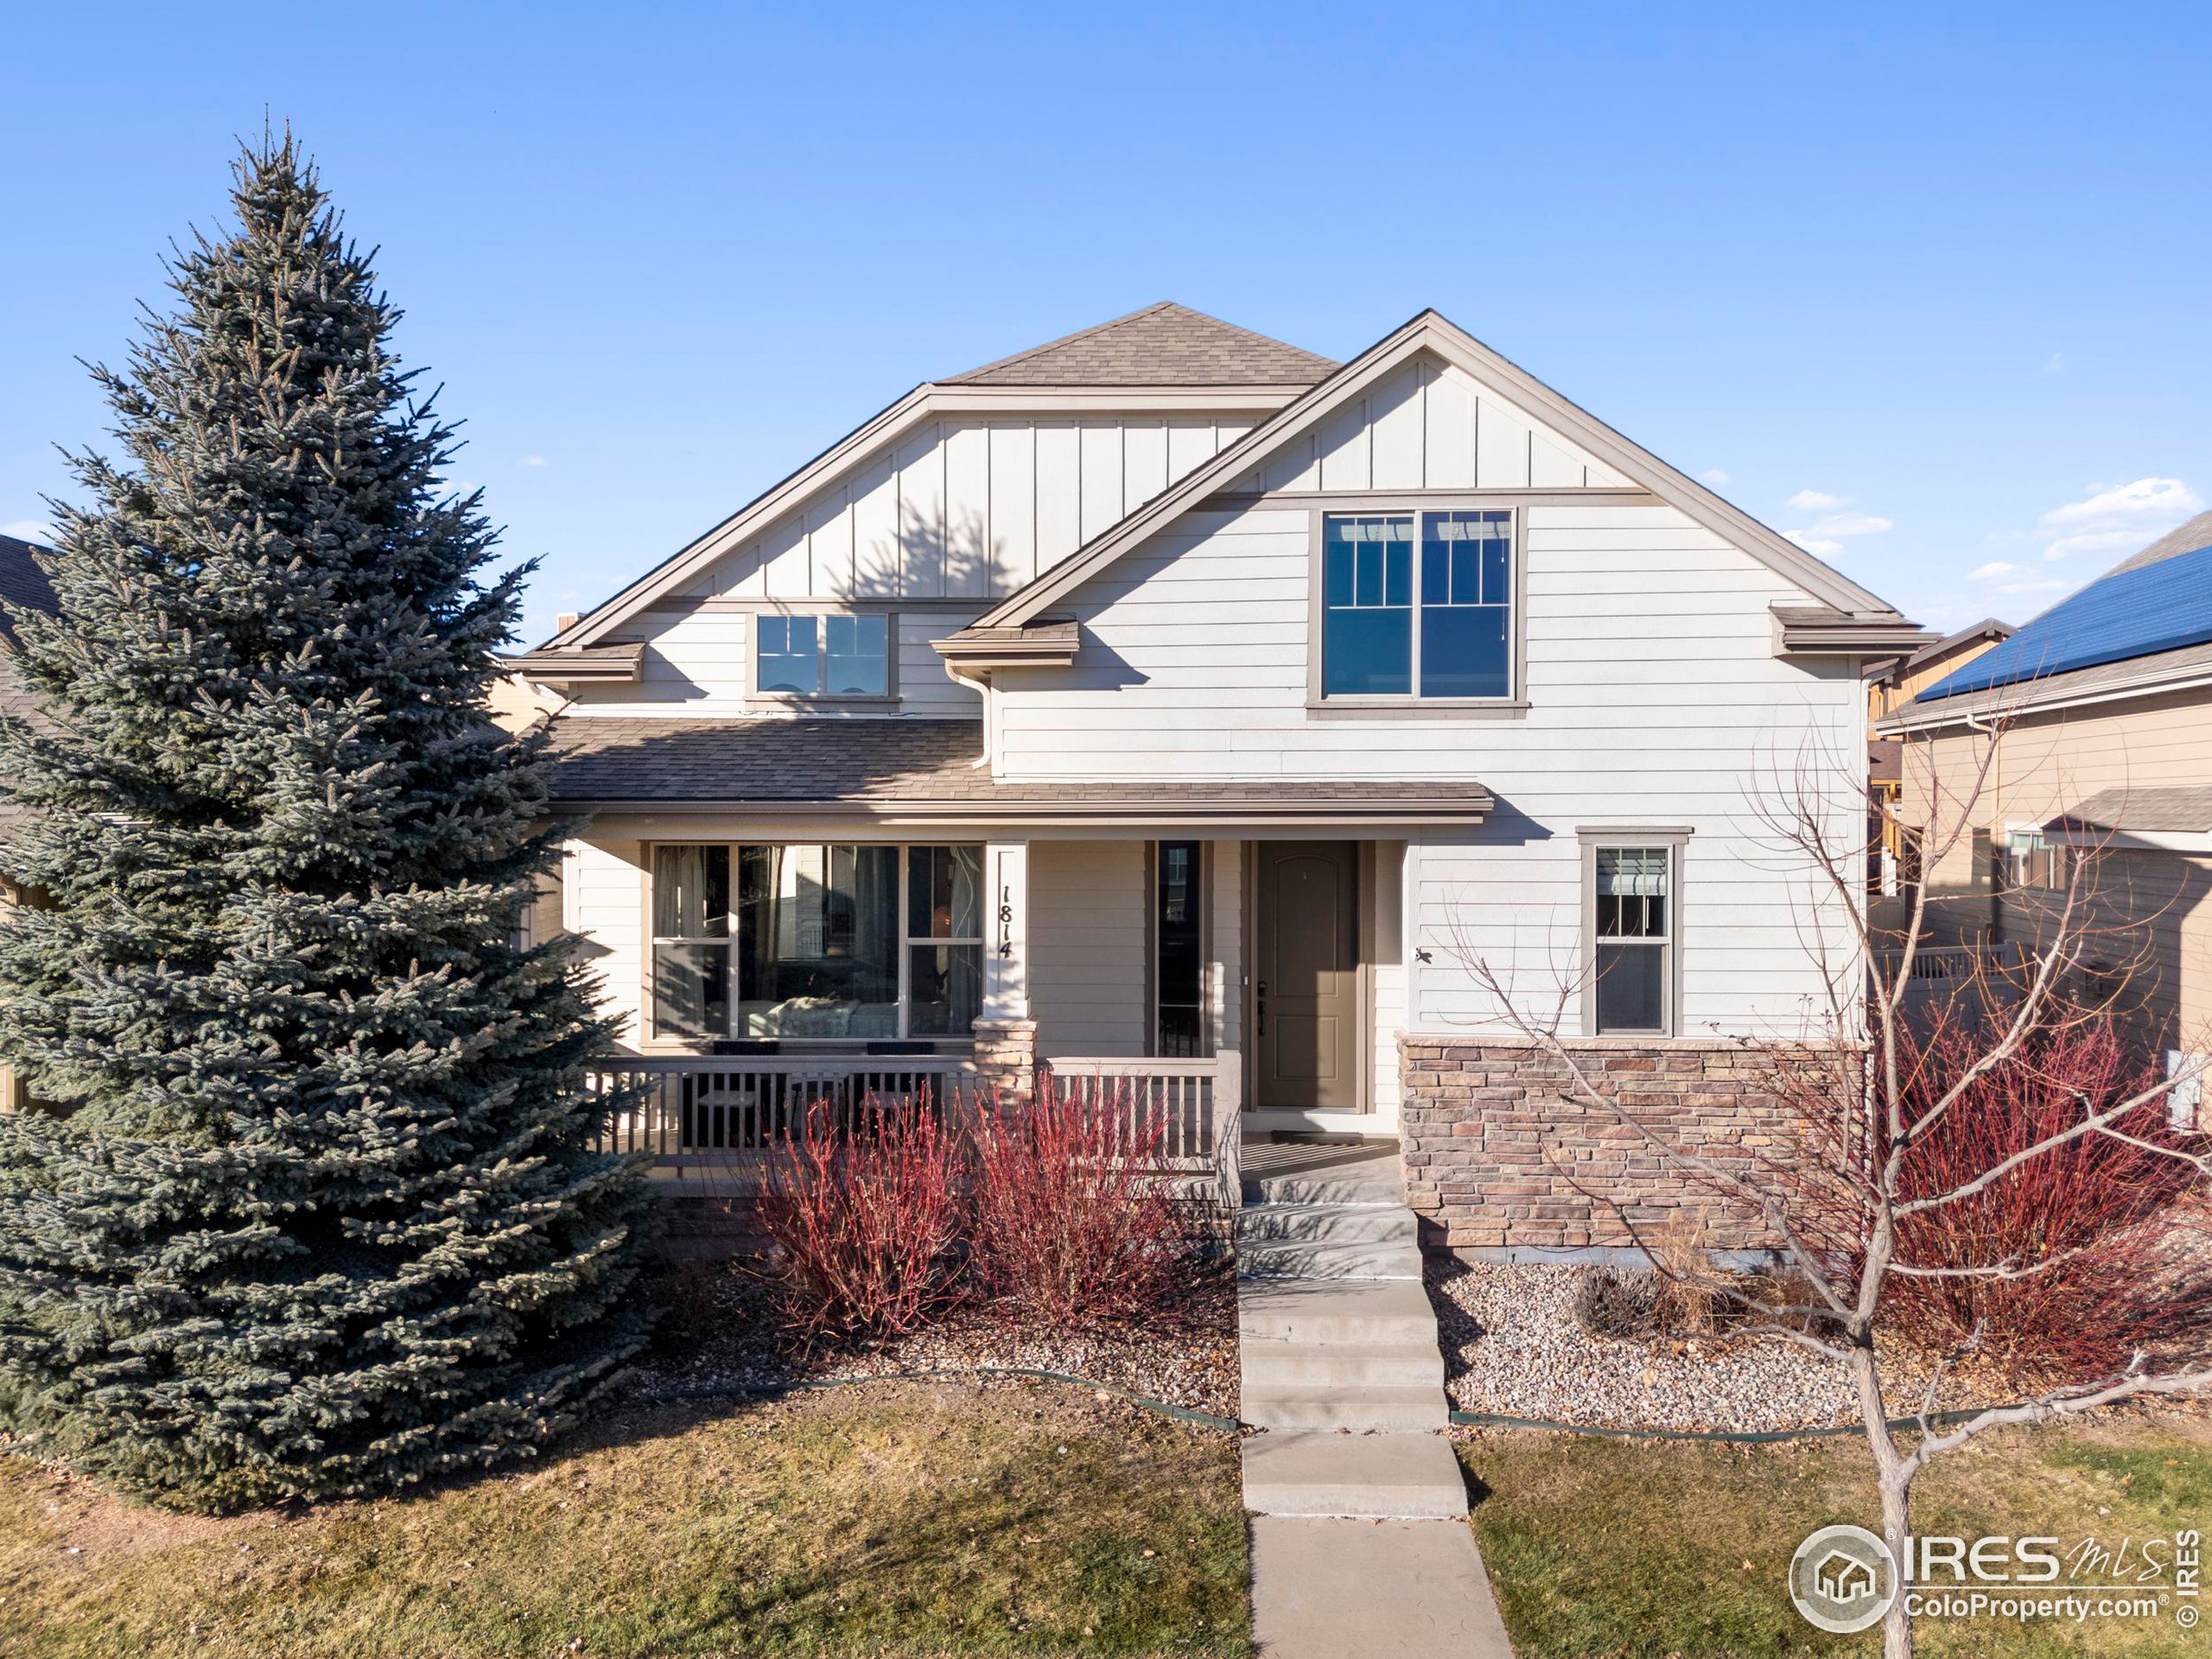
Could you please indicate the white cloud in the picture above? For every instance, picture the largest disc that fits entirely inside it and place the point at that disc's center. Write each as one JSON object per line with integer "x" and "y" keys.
{"x": 1993, "y": 569}
{"x": 2055, "y": 364}
{"x": 2007, "y": 580}
{"x": 2165, "y": 500}
{"x": 2116, "y": 519}
{"x": 1854, "y": 523}
{"x": 29, "y": 530}
{"x": 1815, "y": 501}
{"x": 1713, "y": 475}
{"x": 535, "y": 460}
{"x": 1824, "y": 538}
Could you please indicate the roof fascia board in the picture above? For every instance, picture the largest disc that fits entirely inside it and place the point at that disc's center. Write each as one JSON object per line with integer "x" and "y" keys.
{"x": 1431, "y": 332}
{"x": 1218, "y": 818}
{"x": 1135, "y": 399}
{"x": 887, "y": 426}
{"x": 1973, "y": 709}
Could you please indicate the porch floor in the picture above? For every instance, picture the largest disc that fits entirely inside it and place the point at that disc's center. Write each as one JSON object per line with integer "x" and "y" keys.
{"x": 1353, "y": 1163}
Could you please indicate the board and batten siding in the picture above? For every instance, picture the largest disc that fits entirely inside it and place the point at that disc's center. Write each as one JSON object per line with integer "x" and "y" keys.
{"x": 969, "y": 508}
{"x": 1655, "y": 700}
{"x": 1428, "y": 426}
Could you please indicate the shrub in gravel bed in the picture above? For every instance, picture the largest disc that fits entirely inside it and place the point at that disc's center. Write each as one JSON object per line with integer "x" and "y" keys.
{"x": 1068, "y": 1227}
{"x": 2104, "y": 1257}
{"x": 1613, "y": 1303}
{"x": 867, "y": 1213}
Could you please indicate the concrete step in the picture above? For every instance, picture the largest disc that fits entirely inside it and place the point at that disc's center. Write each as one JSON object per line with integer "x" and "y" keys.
{"x": 1380, "y": 1476}
{"x": 1315, "y": 1223}
{"x": 1376, "y": 1406}
{"x": 1330, "y": 1259}
{"x": 1362, "y": 1589}
{"x": 1353, "y": 1310}
{"x": 1266, "y": 1364}
{"x": 1376, "y": 1181}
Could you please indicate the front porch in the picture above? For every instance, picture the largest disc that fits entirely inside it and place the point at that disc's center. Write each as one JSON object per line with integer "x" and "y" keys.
{"x": 1217, "y": 988}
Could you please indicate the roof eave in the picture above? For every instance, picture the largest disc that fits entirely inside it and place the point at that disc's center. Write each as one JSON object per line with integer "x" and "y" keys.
{"x": 1431, "y": 331}
{"x": 1165, "y": 811}
{"x": 1803, "y": 632}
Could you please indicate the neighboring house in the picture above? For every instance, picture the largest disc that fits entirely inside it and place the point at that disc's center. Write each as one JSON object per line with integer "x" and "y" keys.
{"x": 23, "y": 586}
{"x": 1890, "y": 686}
{"x": 2105, "y": 707}
{"x": 1169, "y": 702}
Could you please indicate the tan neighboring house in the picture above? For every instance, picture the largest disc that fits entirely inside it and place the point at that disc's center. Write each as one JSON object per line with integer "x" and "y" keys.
{"x": 1890, "y": 686}
{"x": 23, "y": 586}
{"x": 2106, "y": 701}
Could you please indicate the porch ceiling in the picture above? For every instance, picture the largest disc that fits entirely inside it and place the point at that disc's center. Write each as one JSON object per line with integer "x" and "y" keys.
{"x": 927, "y": 772}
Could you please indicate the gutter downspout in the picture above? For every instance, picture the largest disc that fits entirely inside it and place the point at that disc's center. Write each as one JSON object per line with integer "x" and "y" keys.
{"x": 981, "y": 682}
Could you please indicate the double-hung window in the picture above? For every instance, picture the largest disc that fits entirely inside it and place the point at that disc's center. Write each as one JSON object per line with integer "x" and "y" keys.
{"x": 1418, "y": 605}
{"x": 834, "y": 943}
{"x": 1632, "y": 962}
{"x": 823, "y": 656}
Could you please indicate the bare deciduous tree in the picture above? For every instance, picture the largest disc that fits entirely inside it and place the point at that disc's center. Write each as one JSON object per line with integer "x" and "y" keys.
{"x": 1843, "y": 1199}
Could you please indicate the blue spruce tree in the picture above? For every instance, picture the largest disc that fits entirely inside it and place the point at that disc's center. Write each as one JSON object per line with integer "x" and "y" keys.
{"x": 309, "y": 1206}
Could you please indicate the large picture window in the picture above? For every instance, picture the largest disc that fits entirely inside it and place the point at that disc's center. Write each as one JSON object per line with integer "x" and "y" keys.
{"x": 823, "y": 656}
{"x": 1417, "y": 603}
{"x": 822, "y": 942}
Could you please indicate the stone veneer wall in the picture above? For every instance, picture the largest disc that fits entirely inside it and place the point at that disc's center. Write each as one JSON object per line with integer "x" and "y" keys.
{"x": 1498, "y": 1157}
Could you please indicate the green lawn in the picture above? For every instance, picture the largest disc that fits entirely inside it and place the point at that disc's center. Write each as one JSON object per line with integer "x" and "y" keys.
{"x": 1638, "y": 1547}
{"x": 896, "y": 1519}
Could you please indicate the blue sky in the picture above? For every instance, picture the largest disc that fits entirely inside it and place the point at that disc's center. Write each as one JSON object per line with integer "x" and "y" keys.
{"x": 1926, "y": 289}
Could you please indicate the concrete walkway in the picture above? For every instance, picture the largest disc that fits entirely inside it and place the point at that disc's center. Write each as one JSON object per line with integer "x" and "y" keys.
{"x": 1360, "y": 1542}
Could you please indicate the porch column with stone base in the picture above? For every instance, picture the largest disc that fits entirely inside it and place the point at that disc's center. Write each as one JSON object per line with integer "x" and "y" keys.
{"x": 1005, "y": 1035}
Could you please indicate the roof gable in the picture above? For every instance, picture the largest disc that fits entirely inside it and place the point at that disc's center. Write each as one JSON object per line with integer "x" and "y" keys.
{"x": 1163, "y": 344}
{"x": 1430, "y": 333}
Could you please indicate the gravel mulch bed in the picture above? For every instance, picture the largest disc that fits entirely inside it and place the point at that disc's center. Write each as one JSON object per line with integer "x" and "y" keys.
{"x": 1513, "y": 1345}
{"x": 727, "y": 1335}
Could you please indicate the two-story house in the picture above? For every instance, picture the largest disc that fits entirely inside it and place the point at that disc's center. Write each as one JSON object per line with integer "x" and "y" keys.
{"x": 1167, "y": 701}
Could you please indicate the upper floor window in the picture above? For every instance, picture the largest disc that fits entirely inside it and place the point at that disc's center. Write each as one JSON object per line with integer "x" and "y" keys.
{"x": 823, "y": 656}
{"x": 1417, "y": 603}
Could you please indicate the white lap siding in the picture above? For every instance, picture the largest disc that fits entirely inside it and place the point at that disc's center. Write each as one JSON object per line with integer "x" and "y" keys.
{"x": 1655, "y": 700}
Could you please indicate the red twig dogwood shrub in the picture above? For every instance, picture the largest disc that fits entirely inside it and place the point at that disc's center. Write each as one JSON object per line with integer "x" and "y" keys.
{"x": 1072, "y": 1223}
{"x": 866, "y": 1212}
{"x": 2095, "y": 1244}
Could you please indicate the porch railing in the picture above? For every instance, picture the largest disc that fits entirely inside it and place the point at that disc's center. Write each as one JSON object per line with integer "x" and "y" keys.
{"x": 702, "y": 1105}
{"x": 711, "y": 1113}
{"x": 1196, "y": 1104}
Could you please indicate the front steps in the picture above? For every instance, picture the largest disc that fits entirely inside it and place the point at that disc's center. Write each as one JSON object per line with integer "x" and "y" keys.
{"x": 1360, "y": 1541}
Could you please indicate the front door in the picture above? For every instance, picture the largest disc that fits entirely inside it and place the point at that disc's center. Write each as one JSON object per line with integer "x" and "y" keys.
{"x": 1306, "y": 984}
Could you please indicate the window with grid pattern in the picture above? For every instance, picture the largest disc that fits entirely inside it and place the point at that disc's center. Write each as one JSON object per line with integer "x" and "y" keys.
{"x": 1417, "y": 605}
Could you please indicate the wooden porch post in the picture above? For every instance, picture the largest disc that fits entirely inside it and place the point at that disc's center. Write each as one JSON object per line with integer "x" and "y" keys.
{"x": 1006, "y": 1032}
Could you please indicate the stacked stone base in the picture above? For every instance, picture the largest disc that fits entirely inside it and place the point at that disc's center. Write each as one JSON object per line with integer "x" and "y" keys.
{"x": 1502, "y": 1161}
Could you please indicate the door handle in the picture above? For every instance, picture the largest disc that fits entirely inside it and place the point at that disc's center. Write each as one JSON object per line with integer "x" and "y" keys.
{"x": 1259, "y": 1011}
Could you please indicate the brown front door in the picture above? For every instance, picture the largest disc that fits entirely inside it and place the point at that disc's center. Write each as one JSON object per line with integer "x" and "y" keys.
{"x": 1305, "y": 986}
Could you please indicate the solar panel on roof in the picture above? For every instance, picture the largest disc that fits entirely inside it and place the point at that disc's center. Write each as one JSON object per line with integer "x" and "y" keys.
{"x": 2161, "y": 606}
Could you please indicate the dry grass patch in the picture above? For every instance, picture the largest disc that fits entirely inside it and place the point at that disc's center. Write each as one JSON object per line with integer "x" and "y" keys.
{"x": 897, "y": 1519}
{"x": 1666, "y": 1548}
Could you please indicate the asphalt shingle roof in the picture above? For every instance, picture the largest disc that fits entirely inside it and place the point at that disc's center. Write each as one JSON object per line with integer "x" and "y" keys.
{"x": 1163, "y": 344}
{"x": 2184, "y": 808}
{"x": 893, "y": 763}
